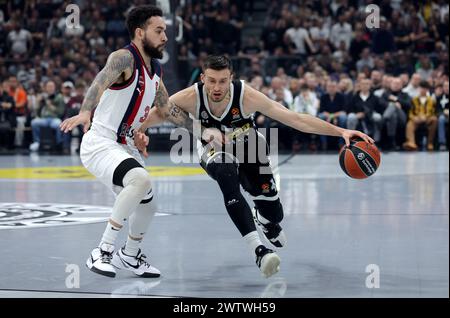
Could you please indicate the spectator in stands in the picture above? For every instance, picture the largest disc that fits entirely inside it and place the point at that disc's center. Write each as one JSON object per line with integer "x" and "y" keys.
{"x": 424, "y": 67}
{"x": 364, "y": 111}
{"x": 422, "y": 112}
{"x": 305, "y": 103}
{"x": 383, "y": 38}
{"x": 358, "y": 44}
{"x": 402, "y": 64}
{"x": 279, "y": 83}
{"x": 345, "y": 87}
{"x": 299, "y": 37}
{"x": 332, "y": 109}
{"x": 413, "y": 87}
{"x": 385, "y": 86}
{"x": 20, "y": 41}
{"x": 397, "y": 105}
{"x": 442, "y": 100}
{"x": 7, "y": 119}
{"x": 341, "y": 32}
{"x": 365, "y": 60}
{"x": 18, "y": 93}
{"x": 73, "y": 106}
{"x": 50, "y": 112}
{"x": 377, "y": 79}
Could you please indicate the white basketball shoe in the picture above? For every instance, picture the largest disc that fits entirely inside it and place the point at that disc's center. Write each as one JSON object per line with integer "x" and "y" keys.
{"x": 136, "y": 264}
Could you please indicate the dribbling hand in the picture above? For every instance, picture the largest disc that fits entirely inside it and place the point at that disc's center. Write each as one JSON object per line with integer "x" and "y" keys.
{"x": 141, "y": 141}
{"x": 83, "y": 118}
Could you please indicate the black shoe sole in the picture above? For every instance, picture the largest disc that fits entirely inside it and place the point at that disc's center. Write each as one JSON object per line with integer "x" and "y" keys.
{"x": 149, "y": 275}
{"x": 97, "y": 271}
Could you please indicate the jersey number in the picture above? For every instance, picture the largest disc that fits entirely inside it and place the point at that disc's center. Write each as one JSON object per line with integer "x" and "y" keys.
{"x": 143, "y": 118}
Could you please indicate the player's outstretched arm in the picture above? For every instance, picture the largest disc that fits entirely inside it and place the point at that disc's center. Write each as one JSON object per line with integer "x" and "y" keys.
{"x": 177, "y": 110}
{"x": 119, "y": 67}
{"x": 166, "y": 109}
{"x": 255, "y": 101}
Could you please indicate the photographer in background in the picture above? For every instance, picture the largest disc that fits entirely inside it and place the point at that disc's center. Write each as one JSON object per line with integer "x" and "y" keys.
{"x": 51, "y": 109}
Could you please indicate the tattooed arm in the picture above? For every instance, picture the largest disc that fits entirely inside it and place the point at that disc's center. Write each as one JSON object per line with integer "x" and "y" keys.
{"x": 176, "y": 110}
{"x": 118, "y": 69}
{"x": 166, "y": 109}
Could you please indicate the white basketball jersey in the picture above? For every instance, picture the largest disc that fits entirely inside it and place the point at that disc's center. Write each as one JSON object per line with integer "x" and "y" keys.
{"x": 124, "y": 107}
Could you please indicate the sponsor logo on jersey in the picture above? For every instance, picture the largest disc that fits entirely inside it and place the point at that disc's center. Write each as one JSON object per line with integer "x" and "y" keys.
{"x": 235, "y": 112}
{"x": 265, "y": 188}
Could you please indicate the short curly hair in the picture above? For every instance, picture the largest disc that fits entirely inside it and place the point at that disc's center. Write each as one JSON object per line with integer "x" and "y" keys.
{"x": 138, "y": 16}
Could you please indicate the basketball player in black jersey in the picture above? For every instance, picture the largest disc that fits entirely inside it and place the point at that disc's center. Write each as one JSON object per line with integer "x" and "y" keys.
{"x": 224, "y": 107}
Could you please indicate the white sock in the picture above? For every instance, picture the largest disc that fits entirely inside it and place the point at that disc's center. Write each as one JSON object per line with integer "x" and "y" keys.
{"x": 110, "y": 234}
{"x": 253, "y": 240}
{"x": 138, "y": 225}
{"x": 136, "y": 185}
{"x": 132, "y": 246}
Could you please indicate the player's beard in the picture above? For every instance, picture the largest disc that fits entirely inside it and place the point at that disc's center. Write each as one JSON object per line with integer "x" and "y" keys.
{"x": 151, "y": 50}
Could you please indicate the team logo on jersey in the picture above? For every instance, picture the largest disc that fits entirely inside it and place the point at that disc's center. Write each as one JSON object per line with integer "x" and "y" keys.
{"x": 32, "y": 215}
{"x": 204, "y": 114}
{"x": 141, "y": 85}
{"x": 235, "y": 113}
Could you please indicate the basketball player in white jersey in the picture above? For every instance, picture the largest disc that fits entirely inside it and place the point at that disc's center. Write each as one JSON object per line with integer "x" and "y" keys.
{"x": 122, "y": 94}
{"x": 224, "y": 107}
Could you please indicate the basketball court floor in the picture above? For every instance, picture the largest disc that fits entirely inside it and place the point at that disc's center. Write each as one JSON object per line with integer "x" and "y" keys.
{"x": 386, "y": 236}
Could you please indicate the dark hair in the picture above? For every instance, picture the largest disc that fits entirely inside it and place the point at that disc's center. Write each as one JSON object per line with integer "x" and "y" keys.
{"x": 424, "y": 84}
{"x": 138, "y": 17}
{"x": 304, "y": 87}
{"x": 218, "y": 63}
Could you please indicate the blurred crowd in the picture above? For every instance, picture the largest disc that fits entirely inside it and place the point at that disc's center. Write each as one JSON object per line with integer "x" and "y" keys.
{"x": 316, "y": 57}
{"x": 321, "y": 58}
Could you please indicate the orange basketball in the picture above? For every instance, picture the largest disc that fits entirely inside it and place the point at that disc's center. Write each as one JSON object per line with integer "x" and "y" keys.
{"x": 360, "y": 160}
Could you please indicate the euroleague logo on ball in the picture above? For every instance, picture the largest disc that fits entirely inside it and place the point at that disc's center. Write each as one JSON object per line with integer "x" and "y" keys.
{"x": 360, "y": 159}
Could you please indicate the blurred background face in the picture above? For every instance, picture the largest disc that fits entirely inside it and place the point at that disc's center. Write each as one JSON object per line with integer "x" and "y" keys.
{"x": 66, "y": 90}
{"x": 332, "y": 87}
{"x": 365, "y": 86}
{"x": 50, "y": 88}
{"x": 386, "y": 81}
{"x": 13, "y": 82}
{"x": 445, "y": 87}
{"x": 423, "y": 91}
{"x": 405, "y": 79}
{"x": 376, "y": 77}
{"x": 396, "y": 85}
{"x": 276, "y": 83}
{"x": 415, "y": 80}
{"x": 279, "y": 93}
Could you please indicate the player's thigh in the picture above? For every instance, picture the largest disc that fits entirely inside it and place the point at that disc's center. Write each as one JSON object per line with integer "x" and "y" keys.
{"x": 104, "y": 157}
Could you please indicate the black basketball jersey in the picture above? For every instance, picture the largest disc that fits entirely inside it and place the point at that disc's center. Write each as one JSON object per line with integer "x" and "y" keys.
{"x": 233, "y": 122}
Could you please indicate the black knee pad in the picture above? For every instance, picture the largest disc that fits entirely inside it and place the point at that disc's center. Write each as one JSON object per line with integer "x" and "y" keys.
{"x": 122, "y": 170}
{"x": 271, "y": 210}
